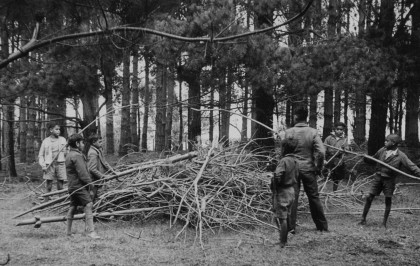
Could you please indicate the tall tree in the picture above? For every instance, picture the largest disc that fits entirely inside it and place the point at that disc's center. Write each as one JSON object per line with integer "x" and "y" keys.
{"x": 135, "y": 114}
{"x": 125, "y": 102}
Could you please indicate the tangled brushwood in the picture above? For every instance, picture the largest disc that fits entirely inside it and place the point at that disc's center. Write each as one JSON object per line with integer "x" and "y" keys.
{"x": 209, "y": 188}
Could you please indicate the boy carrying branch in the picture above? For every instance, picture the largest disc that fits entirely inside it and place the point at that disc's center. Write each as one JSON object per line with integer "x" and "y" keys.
{"x": 52, "y": 155}
{"x": 385, "y": 177}
{"x": 283, "y": 187}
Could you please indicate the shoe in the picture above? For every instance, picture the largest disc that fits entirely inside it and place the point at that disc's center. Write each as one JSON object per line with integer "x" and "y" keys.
{"x": 362, "y": 222}
{"x": 292, "y": 231}
{"x": 94, "y": 235}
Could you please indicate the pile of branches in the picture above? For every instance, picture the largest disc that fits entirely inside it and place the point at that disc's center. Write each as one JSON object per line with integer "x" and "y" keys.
{"x": 209, "y": 188}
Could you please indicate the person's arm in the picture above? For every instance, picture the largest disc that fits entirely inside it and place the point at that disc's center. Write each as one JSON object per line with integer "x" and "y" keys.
{"x": 319, "y": 152}
{"x": 41, "y": 156}
{"x": 376, "y": 156}
{"x": 81, "y": 169}
{"x": 93, "y": 160}
{"x": 410, "y": 165}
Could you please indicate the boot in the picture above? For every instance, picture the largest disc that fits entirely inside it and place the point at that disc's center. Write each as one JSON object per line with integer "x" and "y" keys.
{"x": 70, "y": 215}
{"x": 89, "y": 222}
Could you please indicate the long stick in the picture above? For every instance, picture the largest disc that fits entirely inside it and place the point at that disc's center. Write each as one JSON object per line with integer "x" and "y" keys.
{"x": 376, "y": 160}
{"x": 41, "y": 206}
{"x": 53, "y": 219}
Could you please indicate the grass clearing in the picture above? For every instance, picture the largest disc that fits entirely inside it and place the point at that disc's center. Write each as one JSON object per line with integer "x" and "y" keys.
{"x": 153, "y": 242}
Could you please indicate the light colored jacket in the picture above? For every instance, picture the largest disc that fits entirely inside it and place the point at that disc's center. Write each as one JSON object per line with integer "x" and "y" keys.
{"x": 45, "y": 152}
{"x": 310, "y": 151}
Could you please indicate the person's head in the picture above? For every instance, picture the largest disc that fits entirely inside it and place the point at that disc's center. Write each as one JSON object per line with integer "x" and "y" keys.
{"x": 392, "y": 141}
{"x": 301, "y": 114}
{"x": 76, "y": 141}
{"x": 288, "y": 146}
{"x": 54, "y": 129}
{"x": 95, "y": 140}
{"x": 339, "y": 128}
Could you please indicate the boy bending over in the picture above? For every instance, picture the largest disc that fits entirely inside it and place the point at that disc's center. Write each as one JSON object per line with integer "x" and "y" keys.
{"x": 78, "y": 179}
{"x": 283, "y": 188}
{"x": 385, "y": 177}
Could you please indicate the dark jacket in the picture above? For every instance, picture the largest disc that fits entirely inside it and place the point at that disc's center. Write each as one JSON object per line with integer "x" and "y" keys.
{"x": 288, "y": 170}
{"x": 77, "y": 171}
{"x": 97, "y": 164}
{"x": 397, "y": 161}
{"x": 310, "y": 150}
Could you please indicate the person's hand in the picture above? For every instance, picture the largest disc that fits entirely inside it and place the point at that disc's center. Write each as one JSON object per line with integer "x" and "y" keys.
{"x": 44, "y": 168}
{"x": 91, "y": 193}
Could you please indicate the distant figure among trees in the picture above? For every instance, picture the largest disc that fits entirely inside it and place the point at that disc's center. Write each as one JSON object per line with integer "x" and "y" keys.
{"x": 334, "y": 159}
{"x": 52, "y": 156}
{"x": 385, "y": 178}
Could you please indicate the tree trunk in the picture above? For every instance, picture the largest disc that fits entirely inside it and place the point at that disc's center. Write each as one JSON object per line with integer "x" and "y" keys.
{"x": 108, "y": 73}
{"x": 211, "y": 116}
{"x": 224, "y": 103}
{"x": 161, "y": 100}
{"x": 328, "y": 112}
{"x": 90, "y": 107}
{"x": 412, "y": 104}
{"x": 134, "y": 116}
{"x": 146, "y": 101}
{"x": 313, "y": 109}
{"x": 9, "y": 138}
{"x": 337, "y": 105}
{"x": 380, "y": 96}
{"x": 244, "y": 131}
{"x": 181, "y": 118}
{"x": 362, "y": 18}
{"x": 360, "y": 117}
{"x": 125, "y": 102}
{"x": 378, "y": 121}
{"x": 23, "y": 129}
{"x": 170, "y": 84}
{"x": 30, "y": 149}
{"x": 194, "y": 117}
{"x": 56, "y": 113}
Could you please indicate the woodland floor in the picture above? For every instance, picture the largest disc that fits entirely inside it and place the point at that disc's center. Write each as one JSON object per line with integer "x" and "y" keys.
{"x": 154, "y": 243}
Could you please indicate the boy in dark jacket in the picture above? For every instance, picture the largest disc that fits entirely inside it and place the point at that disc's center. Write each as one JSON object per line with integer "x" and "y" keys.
{"x": 98, "y": 166}
{"x": 78, "y": 179}
{"x": 283, "y": 187}
{"x": 385, "y": 177}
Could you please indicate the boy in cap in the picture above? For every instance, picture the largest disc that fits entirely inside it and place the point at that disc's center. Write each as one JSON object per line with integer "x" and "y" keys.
{"x": 385, "y": 177}
{"x": 79, "y": 183}
{"x": 283, "y": 187}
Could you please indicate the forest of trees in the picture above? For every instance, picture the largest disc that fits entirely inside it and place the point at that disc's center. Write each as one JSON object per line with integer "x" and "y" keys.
{"x": 262, "y": 59}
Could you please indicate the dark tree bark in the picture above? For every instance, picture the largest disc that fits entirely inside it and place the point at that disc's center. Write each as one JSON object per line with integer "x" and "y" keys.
{"x": 170, "y": 84}
{"x": 146, "y": 101}
{"x": 161, "y": 100}
{"x": 413, "y": 84}
{"x": 125, "y": 102}
{"x": 23, "y": 129}
{"x": 313, "y": 109}
{"x": 337, "y": 105}
{"x": 135, "y": 114}
{"x": 328, "y": 112}
{"x": 224, "y": 103}
{"x": 30, "y": 150}
{"x": 359, "y": 131}
{"x": 109, "y": 73}
{"x": 380, "y": 96}
{"x": 181, "y": 118}
{"x": 244, "y": 131}
{"x": 192, "y": 77}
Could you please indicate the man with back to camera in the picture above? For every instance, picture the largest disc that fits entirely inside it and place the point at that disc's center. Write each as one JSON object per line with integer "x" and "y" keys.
{"x": 310, "y": 153}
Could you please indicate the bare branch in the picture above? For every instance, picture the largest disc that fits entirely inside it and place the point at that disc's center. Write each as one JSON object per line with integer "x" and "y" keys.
{"x": 34, "y": 44}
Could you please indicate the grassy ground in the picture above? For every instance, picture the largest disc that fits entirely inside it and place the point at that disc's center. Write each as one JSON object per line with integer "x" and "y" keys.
{"x": 154, "y": 243}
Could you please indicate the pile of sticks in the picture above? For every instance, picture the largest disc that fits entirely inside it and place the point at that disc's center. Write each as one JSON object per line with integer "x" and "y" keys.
{"x": 211, "y": 188}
